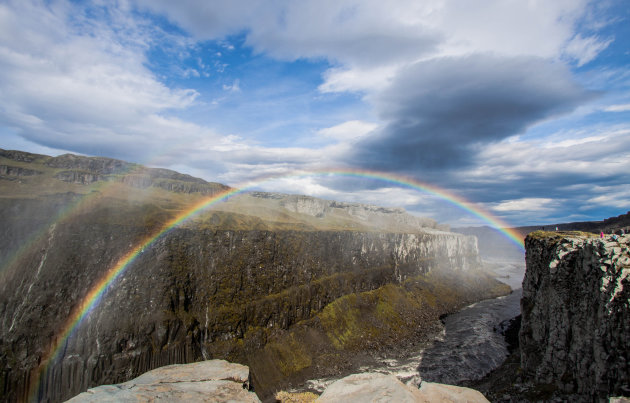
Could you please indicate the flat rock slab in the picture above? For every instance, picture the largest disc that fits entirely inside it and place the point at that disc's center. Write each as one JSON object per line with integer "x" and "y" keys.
{"x": 376, "y": 387}
{"x": 207, "y": 381}
{"x": 438, "y": 392}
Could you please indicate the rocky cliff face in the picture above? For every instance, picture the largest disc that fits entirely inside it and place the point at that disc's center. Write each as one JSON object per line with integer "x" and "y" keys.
{"x": 575, "y": 332}
{"x": 193, "y": 294}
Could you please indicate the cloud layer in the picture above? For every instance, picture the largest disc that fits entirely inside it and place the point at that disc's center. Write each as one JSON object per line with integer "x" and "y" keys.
{"x": 508, "y": 104}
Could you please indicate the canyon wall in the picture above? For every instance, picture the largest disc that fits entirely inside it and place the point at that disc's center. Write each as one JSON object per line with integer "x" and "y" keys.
{"x": 195, "y": 293}
{"x": 575, "y": 332}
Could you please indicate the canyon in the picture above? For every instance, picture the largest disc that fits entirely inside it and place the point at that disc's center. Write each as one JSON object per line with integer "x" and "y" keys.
{"x": 293, "y": 286}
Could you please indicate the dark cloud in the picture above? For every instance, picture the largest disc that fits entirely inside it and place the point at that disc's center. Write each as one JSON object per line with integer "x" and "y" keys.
{"x": 438, "y": 111}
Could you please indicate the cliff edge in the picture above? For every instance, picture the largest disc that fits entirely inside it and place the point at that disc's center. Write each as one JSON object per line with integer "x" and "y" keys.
{"x": 575, "y": 332}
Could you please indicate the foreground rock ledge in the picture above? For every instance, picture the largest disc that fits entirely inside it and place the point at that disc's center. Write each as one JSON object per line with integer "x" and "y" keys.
{"x": 207, "y": 381}
{"x": 221, "y": 381}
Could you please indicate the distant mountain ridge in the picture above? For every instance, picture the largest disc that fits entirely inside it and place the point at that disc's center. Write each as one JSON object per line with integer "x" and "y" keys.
{"x": 492, "y": 243}
{"x": 612, "y": 224}
{"x": 83, "y": 170}
{"x": 38, "y": 174}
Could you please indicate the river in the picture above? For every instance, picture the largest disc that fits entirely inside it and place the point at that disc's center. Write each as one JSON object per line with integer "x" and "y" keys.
{"x": 469, "y": 346}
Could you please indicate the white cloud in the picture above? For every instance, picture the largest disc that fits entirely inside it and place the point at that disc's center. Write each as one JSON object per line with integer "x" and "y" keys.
{"x": 611, "y": 196}
{"x": 357, "y": 79}
{"x": 295, "y": 185}
{"x": 349, "y": 32}
{"x": 372, "y": 32}
{"x": 234, "y": 87}
{"x": 585, "y": 49}
{"x": 526, "y": 204}
{"x": 617, "y": 108}
{"x": 350, "y": 130}
{"x": 590, "y": 153}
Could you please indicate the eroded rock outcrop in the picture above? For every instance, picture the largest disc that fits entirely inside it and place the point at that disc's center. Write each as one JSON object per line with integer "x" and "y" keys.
{"x": 17, "y": 171}
{"x": 575, "y": 331}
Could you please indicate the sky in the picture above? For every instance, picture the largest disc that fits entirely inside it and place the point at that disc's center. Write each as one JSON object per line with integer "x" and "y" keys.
{"x": 520, "y": 107}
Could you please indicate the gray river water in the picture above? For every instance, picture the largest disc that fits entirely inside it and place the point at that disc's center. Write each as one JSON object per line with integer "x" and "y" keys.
{"x": 469, "y": 346}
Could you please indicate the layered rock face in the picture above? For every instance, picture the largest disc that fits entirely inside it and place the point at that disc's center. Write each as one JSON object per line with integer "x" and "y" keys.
{"x": 575, "y": 331}
{"x": 193, "y": 294}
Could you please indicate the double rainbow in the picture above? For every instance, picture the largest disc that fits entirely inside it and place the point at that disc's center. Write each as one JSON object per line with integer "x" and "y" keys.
{"x": 91, "y": 300}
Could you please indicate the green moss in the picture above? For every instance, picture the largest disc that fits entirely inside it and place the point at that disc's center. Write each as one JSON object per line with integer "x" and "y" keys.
{"x": 289, "y": 354}
{"x": 372, "y": 317}
{"x": 557, "y": 235}
{"x": 342, "y": 321}
{"x": 394, "y": 312}
{"x": 292, "y": 397}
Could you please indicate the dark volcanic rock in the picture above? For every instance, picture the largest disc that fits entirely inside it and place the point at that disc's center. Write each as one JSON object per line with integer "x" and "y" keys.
{"x": 85, "y": 170}
{"x": 575, "y": 331}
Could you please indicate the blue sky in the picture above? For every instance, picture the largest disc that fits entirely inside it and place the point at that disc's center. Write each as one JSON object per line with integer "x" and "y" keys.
{"x": 520, "y": 107}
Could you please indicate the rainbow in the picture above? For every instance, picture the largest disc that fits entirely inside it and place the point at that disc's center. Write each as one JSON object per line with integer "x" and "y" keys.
{"x": 95, "y": 294}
